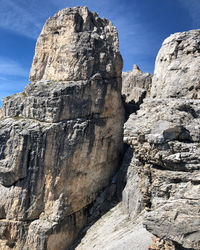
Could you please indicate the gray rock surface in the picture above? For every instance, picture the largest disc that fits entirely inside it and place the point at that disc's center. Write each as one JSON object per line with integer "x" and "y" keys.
{"x": 115, "y": 231}
{"x": 61, "y": 139}
{"x": 177, "y": 67}
{"x": 136, "y": 86}
{"x": 164, "y": 175}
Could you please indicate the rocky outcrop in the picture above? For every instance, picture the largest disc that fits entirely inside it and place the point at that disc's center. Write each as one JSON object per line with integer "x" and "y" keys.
{"x": 177, "y": 67}
{"x": 164, "y": 175}
{"x": 61, "y": 142}
{"x": 76, "y": 45}
{"x": 135, "y": 87}
{"x": 115, "y": 231}
{"x": 61, "y": 139}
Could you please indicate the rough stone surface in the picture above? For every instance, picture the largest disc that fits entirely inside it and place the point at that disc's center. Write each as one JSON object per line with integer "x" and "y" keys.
{"x": 177, "y": 67}
{"x": 165, "y": 169}
{"x": 115, "y": 231}
{"x": 85, "y": 46}
{"x": 61, "y": 141}
{"x": 136, "y": 86}
{"x": 164, "y": 174}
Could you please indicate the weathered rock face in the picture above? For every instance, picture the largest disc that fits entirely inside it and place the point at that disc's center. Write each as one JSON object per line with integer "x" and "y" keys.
{"x": 115, "y": 231}
{"x": 135, "y": 87}
{"x": 177, "y": 67}
{"x": 61, "y": 139}
{"x": 76, "y": 44}
{"x": 164, "y": 175}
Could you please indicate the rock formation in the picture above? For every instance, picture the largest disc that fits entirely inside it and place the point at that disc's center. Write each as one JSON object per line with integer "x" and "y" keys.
{"x": 163, "y": 178}
{"x": 61, "y": 143}
{"x": 177, "y": 67}
{"x": 135, "y": 87}
{"x": 164, "y": 175}
{"x": 61, "y": 139}
{"x": 115, "y": 231}
{"x": 75, "y": 46}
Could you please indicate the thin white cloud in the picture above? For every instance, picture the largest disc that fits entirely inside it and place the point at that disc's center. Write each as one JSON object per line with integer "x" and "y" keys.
{"x": 24, "y": 17}
{"x": 27, "y": 17}
{"x": 2, "y": 78}
{"x": 11, "y": 68}
{"x": 193, "y": 7}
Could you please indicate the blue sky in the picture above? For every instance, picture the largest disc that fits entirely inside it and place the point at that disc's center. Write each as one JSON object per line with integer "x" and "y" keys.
{"x": 142, "y": 27}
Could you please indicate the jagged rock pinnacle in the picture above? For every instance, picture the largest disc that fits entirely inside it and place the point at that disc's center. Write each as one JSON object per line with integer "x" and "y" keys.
{"x": 136, "y": 70}
{"x": 61, "y": 139}
{"x": 74, "y": 45}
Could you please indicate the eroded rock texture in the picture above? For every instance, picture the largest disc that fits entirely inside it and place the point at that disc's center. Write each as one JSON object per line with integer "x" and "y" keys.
{"x": 164, "y": 175}
{"x": 75, "y": 44}
{"x": 177, "y": 67}
{"x": 115, "y": 231}
{"x": 136, "y": 86}
{"x": 61, "y": 139}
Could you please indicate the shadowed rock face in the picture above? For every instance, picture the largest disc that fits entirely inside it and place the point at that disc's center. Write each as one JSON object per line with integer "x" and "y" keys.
{"x": 164, "y": 175}
{"x": 61, "y": 139}
{"x": 136, "y": 86}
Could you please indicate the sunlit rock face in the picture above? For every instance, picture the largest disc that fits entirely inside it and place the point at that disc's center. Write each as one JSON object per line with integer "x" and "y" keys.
{"x": 75, "y": 44}
{"x": 177, "y": 67}
{"x": 164, "y": 175}
{"x": 61, "y": 139}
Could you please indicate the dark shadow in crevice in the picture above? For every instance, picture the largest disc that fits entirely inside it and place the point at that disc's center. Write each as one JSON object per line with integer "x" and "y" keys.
{"x": 132, "y": 107}
{"x": 179, "y": 247}
{"x": 109, "y": 197}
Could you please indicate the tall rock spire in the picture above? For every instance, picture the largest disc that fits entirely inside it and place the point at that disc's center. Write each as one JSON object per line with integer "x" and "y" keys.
{"x": 74, "y": 45}
{"x": 61, "y": 139}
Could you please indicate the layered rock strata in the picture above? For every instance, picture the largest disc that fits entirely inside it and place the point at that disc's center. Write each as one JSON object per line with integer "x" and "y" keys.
{"x": 61, "y": 139}
{"x": 164, "y": 175}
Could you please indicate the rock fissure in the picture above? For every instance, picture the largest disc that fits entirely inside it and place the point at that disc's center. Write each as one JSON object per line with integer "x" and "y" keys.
{"x": 61, "y": 144}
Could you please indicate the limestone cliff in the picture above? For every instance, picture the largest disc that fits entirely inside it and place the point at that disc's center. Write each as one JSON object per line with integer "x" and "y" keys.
{"x": 61, "y": 143}
{"x": 162, "y": 192}
{"x": 164, "y": 176}
{"x": 61, "y": 139}
{"x": 75, "y": 45}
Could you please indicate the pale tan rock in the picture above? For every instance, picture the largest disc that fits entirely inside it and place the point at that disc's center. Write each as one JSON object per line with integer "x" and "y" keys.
{"x": 136, "y": 70}
{"x": 75, "y": 44}
{"x": 136, "y": 86}
{"x": 61, "y": 141}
